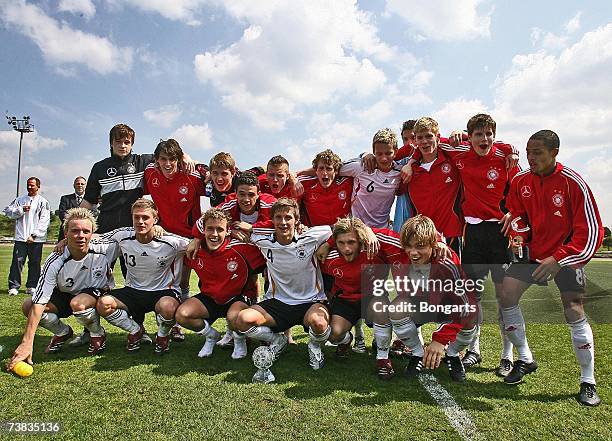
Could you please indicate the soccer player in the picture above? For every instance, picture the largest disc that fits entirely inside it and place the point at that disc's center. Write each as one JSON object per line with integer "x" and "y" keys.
{"x": 278, "y": 181}
{"x": 71, "y": 283}
{"x": 485, "y": 178}
{"x": 346, "y": 265}
{"x": 225, "y": 268}
{"x": 295, "y": 293}
{"x": 222, "y": 174}
{"x": 152, "y": 280}
{"x": 327, "y": 196}
{"x": 31, "y": 214}
{"x": 556, "y": 217}
{"x": 403, "y": 206}
{"x": 457, "y": 326}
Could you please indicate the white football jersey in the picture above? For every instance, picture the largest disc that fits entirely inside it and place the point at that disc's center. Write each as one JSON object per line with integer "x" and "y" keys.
{"x": 293, "y": 271}
{"x": 152, "y": 266}
{"x": 373, "y": 193}
{"x": 71, "y": 276}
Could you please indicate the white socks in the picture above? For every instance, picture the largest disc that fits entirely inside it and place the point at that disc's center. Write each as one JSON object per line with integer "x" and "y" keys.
{"x": 121, "y": 319}
{"x": 90, "y": 319}
{"x": 406, "y": 331}
{"x": 514, "y": 326}
{"x": 164, "y": 325}
{"x": 464, "y": 337}
{"x": 382, "y": 336}
{"x": 261, "y": 333}
{"x": 582, "y": 340}
{"x": 51, "y": 322}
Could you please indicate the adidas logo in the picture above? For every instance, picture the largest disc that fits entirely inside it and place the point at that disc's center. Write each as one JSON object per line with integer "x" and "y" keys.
{"x": 585, "y": 346}
{"x": 83, "y": 268}
{"x": 511, "y": 328}
{"x": 490, "y": 186}
{"x": 448, "y": 180}
{"x": 144, "y": 253}
{"x": 558, "y": 213}
{"x": 233, "y": 276}
{"x": 386, "y": 181}
{"x": 184, "y": 200}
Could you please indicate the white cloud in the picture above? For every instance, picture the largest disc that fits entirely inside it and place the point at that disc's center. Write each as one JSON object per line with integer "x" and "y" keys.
{"x": 574, "y": 24}
{"x": 548, "y": 40}
{"x": 185, "y": 11}
{"x": 454, "y": 114}
{"x": 84, "y": 7}
{"x": 32, "y": 142}
{"x": 292, "y": 55}
{"x": 164, "y": 116}
{"x": 193, "y": 137}
{"x": 444, "y": 19}
{"x": 63, "y": 46}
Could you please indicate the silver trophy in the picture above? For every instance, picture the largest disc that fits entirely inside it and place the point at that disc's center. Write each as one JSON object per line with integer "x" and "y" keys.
{"x": 263, "y": 357}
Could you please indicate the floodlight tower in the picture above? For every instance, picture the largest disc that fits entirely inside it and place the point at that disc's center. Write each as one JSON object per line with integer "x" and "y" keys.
{"x": 22, "y": 126}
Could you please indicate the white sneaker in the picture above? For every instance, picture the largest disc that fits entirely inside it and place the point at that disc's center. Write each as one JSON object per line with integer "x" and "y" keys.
{"x": 209, "y": 344}
{"x": 227, "y": 340}
{"x": 278, "y": 345}
{"x": 13, "y": 292}
{"x": 30, "y": 291}
{"x": 315, "y": 355}
{"x": 240, "y": 348}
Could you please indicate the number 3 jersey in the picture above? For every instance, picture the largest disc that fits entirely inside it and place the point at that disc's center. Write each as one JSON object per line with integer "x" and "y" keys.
{"x": 293, "y": 271}
{"x": 152, "y": 266}
{"x": 63, "y": 272}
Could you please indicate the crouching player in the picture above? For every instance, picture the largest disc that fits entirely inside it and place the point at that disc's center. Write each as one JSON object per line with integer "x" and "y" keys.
{"x": 295, "y": 294}
{"x": 345, "y": 264}
{"x": 225, "y": 268}
{"x": 555, "y": 214}
{"x": 152, "y": 281}
{"x": 429, "y": 297}
{"x": 71, "y": 283}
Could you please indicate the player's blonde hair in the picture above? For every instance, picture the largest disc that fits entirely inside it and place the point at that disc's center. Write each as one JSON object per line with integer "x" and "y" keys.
{"x": 223, "y": 160}
{"x": 215, "y": 214}
{"x": 351, "y": 225}
{"x": 426, "y": 124}
{"x": 79, "y": 213}
{"x": 327, "y": 157}
{"x": 419, "y": 228}
{"x": 145, "y": 204}
{"x": 283, "y": 204}
{"x": 385, "y": 136}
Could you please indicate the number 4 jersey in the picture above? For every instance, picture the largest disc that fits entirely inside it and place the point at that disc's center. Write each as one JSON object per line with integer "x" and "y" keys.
{"x": 152, "y": 266}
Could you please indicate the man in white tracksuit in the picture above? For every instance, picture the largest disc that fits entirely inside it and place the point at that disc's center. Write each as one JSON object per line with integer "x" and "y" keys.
{"x": 32, "y": 215}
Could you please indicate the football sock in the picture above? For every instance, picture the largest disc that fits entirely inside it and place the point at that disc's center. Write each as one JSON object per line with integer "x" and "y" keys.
{"x": 345, "y": 340}
{"x": 582, "y": 340}
{"x": 90, "y": 319}
{"x": 240, "y": 346}
{"x": 507, "y": 345}
{"x": 514, "y": 325}
{"x": 463, "y": 339}
{"x": 317, "y": 339}
{"x": 228, "y": 331}
{"x": 51, "y": 322}
{"x": 122, "y": 320}
{"x": 164, "y": 325}
{"x": 262, "y": 333}
{"x": 474, "y": 345}
{"x": 407, "y": 332}
{"x": 382, "y": 335}
{"x": 359, "y": 329}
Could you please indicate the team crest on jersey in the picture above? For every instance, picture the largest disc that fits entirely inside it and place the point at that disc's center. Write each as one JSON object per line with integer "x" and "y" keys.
{"x": 313, "y": 197}
{"x": 338, "y": 273}
{"x": 459, "y": 165}
{"x": 232, "y": 265}
{"x": 558, "y": 200}
{"x": 97, "y": 274}
{"x": 131, "y": 168}
{"x": 342, "y": 195}
{"x": 111, "y": 171}
{"x": 155, "y": 182}
{"x": 161, "y": 261}
{"x": 526, "y": 191}
{"x": 183, "y": 189}
{"x": 492, "y": 174}
{"x": 300, "y": 252}
{"x": 446, "y": 168}
{"x": 200, "y": 263}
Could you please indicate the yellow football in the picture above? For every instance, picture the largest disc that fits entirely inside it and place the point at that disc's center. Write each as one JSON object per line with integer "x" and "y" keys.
{"x": 23, "y": 369}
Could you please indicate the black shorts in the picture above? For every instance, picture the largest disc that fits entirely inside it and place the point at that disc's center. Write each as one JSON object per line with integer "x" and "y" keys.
{"x": 61, "y": 300}
{"x": 568, "y": 279}
{"x": 351, "y": 311}
{"x": 139, "y": 302}
{"x": 455, "y": 244}
{"x": 286, "y": 316}
{"x": 215, "y": 310}
{"x": 485, "y": 249}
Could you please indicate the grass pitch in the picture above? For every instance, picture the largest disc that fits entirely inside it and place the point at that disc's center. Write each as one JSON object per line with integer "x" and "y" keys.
{"x": 178, "y": 396}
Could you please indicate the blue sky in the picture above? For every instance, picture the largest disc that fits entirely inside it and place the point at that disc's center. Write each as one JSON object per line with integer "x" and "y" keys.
{"x": 261, "y": 78}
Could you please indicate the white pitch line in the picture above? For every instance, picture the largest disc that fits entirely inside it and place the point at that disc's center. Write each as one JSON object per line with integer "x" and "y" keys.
{"x": 459, "y": 418}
